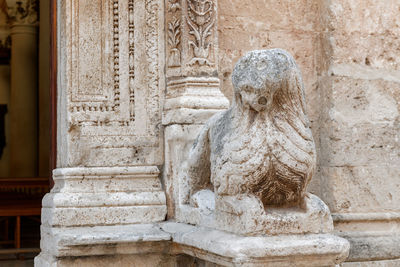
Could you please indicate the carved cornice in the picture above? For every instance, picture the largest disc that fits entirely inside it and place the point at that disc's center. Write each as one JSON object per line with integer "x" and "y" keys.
{"x": 24, "y": 13}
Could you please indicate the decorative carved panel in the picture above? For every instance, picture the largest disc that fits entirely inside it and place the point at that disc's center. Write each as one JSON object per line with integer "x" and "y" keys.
{"x": 115, "y": 64}
{"x": 192, "y": 41}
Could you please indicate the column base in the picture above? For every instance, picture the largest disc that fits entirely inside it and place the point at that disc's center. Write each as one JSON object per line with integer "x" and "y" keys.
{"x": 104, "y": 196}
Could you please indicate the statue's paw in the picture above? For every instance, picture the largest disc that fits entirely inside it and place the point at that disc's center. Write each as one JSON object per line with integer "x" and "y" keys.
{"x": 204, "y": 200}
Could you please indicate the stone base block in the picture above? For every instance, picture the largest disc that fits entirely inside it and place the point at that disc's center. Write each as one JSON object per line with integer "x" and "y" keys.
{"x": 103, "y": 240}
{"x": 367, "y": 246}
{"x": 246, "y": 216}
{"x": 104, "y": 196}
{"x": 193, "y": 100}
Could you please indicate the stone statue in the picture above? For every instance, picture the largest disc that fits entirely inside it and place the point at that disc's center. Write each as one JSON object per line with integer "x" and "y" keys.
{"x": 259, "y": 154}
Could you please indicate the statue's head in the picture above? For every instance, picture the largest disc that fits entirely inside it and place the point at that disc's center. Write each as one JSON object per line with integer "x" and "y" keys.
{"x": 260, "y": 74}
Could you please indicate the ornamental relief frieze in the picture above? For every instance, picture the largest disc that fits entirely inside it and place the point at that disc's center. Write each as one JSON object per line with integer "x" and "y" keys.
{"x": 200, "y": 19}
{"x": 191, "y": 37}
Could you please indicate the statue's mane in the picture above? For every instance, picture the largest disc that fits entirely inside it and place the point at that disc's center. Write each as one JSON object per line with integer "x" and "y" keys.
{"x": 292, "y": 151}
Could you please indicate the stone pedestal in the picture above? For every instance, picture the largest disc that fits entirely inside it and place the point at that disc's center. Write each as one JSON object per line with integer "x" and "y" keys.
{"x": 228, "y": 249}
{"x": 124, "y": 245}
{"x": 165, "y": 243}
{"x": 250, "y": 218}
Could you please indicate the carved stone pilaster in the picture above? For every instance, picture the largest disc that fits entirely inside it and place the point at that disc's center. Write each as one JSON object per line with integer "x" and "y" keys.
{"x": 110, "y": 143}
{"x": 193, "y": 89}
{"x": 191, "y": 59}
{"x": 192, "y": 40}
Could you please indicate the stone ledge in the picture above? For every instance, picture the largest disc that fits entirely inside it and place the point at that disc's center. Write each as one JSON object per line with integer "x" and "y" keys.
{"x": 207, "y": 244}
{"x": 105, "y": 172}
{"x": 101, "y": 240}
{"x": 364, "y": 222}
{"x": 355, "y": 217}
{"x": 372, "y": 246}
{"x": 372, "y": 236}
{"x": 230, "y": 249}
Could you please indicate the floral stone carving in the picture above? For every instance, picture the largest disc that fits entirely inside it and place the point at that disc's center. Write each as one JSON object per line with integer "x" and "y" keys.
{"x": 250, "y": 165}
{"x": 201, "y": 19}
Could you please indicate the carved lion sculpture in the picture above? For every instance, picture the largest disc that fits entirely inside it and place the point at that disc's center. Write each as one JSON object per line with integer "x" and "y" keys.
{"x": 262, "y": 145}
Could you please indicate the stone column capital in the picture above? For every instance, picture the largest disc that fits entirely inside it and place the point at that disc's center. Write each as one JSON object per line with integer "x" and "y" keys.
{"x": 24, "y": 14}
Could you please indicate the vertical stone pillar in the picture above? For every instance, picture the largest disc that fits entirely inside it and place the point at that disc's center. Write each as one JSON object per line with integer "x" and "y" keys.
{"x": 110, "y": 138}
{"x": 360, "y": 125}
{"x": 23, "y": 96}
{"x": 193, "y": 89}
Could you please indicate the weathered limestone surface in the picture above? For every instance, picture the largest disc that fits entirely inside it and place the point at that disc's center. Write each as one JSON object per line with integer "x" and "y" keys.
{"x": 235, "y": 250}
{"x": 356, "y": 42}
{"x": 110, "y": 138}
{"x": 383, "y": 263}
{"x": 359, "y": 125}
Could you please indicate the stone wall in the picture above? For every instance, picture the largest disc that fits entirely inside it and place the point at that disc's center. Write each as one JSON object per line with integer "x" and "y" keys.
{"x": 359, "y": 124}
{"x": 360, "y": 111}
{"x": 348, "y": 52}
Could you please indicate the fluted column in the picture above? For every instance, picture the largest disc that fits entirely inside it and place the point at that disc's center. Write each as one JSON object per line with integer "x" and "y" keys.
{"x": 23, "y": 98}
